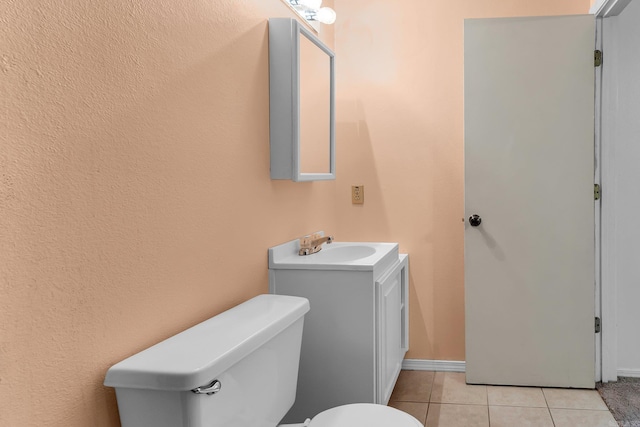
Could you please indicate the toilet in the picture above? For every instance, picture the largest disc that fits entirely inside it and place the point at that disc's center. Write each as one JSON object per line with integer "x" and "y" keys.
{"x": 237, "y": 369}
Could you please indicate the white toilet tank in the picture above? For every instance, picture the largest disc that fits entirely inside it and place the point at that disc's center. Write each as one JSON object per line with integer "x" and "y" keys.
{"x": 250, "y": 352}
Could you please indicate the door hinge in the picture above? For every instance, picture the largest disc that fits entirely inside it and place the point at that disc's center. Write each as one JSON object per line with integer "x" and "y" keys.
{"x": 597, "y": 58}
{"x": 596, "y": 191}
{"x": 598, "y": 325}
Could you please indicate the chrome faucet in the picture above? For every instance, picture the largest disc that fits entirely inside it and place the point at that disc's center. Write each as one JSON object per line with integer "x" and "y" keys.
{"x": 313, "y": 243}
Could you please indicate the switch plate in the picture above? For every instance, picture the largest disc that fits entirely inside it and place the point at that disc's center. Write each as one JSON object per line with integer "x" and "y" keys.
{"x": 357, "y": 194}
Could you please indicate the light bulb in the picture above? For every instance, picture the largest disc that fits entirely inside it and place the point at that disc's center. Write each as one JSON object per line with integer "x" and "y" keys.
{"x": 326, "y": 15}
{"x": 311, "y": 4}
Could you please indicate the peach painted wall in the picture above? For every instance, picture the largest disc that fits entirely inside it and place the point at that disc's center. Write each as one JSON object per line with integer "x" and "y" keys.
{"x": 135, "y": 197}
{"x": 400, "y": 133}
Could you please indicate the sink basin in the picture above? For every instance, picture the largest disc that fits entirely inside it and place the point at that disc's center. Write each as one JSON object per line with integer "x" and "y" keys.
{"x": 335, "y": 256}
{"x": 342, "y": 253}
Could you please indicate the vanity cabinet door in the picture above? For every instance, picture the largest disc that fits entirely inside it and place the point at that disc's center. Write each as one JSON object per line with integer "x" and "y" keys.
{"x": 391, "y": 291}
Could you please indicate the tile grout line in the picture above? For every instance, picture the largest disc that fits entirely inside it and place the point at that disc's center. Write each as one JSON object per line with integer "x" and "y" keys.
{"x": 433, "y": 381}
{"x": 474, "y": 404}
{"x": 486, "y": 389}
{"x": 488, "y": 414}
{"x": 548, "y": 408}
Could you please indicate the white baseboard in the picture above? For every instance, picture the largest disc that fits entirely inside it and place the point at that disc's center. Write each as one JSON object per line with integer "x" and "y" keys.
{"x": 626, "y": 373}
{"x": 433, "y": 365}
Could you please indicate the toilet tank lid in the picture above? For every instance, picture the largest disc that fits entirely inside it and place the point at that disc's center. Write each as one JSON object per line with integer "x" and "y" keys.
{"x": 196, "y": 356}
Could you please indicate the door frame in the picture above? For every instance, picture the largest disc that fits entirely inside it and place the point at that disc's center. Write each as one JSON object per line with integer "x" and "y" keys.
{"x": 605, "y": 279}
{"x": 606, "y": 288}
{"x": 597, "y": 148}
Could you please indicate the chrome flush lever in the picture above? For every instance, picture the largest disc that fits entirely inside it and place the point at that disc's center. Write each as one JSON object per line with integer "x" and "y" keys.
{"x": 211, "y": 388}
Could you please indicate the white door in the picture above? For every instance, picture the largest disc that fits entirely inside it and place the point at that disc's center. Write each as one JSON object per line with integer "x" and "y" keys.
{"x": 529, "y": 161}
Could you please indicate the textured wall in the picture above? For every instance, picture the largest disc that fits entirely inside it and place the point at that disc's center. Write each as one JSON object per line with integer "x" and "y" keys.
{"x": 400, "y": 133}
{"x": 135, "y": 197}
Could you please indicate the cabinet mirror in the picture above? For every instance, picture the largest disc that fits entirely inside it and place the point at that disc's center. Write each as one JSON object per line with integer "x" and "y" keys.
{"x": 301, "y": 103}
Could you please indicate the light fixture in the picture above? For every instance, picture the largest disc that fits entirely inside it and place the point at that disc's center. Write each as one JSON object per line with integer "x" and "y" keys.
{"x": 311, "y": 11}
{"x": 326, "y": 15}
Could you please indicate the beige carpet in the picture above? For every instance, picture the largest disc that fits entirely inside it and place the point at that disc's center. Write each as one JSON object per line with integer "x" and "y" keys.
{"x": 623, "y": 399}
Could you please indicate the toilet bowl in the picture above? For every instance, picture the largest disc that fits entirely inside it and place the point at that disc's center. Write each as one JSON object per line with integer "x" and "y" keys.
{"x": 237, "y": 369}
{"x": 364, "y": 414}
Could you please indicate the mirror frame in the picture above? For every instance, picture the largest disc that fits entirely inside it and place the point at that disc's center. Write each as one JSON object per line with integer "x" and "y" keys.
{"x": 284, "y": 101}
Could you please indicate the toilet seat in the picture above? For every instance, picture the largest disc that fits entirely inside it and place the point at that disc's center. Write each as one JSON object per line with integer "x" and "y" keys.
{"x": 364, "y": 415}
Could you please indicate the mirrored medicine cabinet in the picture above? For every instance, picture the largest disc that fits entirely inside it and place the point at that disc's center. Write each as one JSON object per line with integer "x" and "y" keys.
{"x": 301, "y": 103}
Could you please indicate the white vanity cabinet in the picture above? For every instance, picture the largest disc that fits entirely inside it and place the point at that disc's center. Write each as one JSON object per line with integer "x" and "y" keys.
{"x": 356, "y": 333}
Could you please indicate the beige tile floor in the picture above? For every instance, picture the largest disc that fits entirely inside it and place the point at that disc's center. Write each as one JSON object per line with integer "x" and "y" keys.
{"x": 443, "y": 399}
